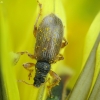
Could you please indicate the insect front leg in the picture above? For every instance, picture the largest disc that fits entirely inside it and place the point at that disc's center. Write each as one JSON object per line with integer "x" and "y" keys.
{"x": 27, "y": 66}
{"x": 64, "y": 43}
{"x": 35, "y": 26}
{"x": 55, "y": 82}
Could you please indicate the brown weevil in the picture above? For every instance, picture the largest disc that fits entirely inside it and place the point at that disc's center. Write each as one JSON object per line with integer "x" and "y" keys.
{"x": 49, "y": 41}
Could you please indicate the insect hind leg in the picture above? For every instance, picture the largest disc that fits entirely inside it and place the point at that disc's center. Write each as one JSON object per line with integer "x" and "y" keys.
{"x": 64, "y": 43}
{"x": 58, "y": 58}
{"x": 25, "y": 52}
{"x": 40, "y": 13}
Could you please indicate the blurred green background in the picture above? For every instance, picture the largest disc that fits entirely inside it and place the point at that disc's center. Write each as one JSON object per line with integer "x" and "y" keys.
{"x": 80, "y": 14}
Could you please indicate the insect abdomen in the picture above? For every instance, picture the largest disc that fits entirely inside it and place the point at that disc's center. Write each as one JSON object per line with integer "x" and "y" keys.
{"x": 49, "y": 38}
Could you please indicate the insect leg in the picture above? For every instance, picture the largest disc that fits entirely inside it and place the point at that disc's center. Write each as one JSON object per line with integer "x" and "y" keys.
{"x": 35, "y": 26}
{"x": 21, "y": 53}
{"x": 64, "y": 43}
{"x": 27, "y": 66}
{"x": 30, "y": 55}
{"x": 56, "y": 80}
{"x": 58, "y": 58}
{"x": 25, "y": 82}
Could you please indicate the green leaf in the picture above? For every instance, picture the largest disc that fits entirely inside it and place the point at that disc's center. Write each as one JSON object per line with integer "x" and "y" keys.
{"x": 95, "y": 95}
{"x": 89, "y": 72}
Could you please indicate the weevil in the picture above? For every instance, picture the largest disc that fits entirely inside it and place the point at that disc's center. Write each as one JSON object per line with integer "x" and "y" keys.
{"x": 49, "y": 41}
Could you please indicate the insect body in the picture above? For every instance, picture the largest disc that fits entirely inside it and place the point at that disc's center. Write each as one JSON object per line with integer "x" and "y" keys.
{"x": 48, "y": 43}
{"x": 49, "y": 40}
